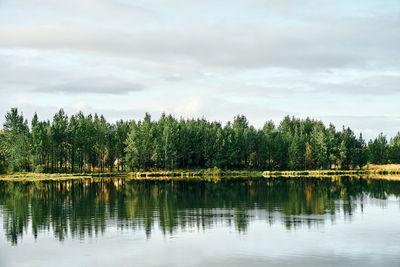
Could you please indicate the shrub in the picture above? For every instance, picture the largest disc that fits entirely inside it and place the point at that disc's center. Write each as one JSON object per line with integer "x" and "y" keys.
{"x": 40, "y": 168}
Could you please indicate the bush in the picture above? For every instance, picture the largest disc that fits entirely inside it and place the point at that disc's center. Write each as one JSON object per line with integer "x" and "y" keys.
{"x": 213, "y": 171}
{"x": 40, "y": 168}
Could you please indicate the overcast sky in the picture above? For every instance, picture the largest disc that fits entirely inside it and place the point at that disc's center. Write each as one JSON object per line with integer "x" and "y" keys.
{"x": 338, "y": 61}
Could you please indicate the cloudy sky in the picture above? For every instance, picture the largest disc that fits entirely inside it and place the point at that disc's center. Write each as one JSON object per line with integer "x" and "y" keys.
{"x": 338, "y": 61}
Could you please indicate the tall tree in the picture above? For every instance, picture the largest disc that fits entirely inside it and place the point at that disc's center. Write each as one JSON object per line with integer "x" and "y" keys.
{"x": 2, "y": 153}
{"x": 110, "y": 146}
{"x": 16, "y": 135}
{"x": 360, "y": 157}
{"x": 394, "y": 149}
{"x": 40, "y": 145}
{"x": 240, "y": 126}
{"x": 59, "y": 136}
{"x": 297, "y": 151}
{"x": 123, "y": 129}
{"x": 140, "y": 144}
{"x": 378, "y": 150}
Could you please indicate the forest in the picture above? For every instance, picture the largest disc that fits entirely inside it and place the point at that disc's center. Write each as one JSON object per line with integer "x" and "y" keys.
{"x": 89, "y": 143}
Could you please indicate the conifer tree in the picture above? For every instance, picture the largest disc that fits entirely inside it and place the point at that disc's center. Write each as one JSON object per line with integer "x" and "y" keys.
{"x": 16, "y": 138}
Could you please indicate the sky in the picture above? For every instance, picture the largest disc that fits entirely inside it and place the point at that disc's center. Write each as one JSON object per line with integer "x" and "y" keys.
{"x": 335, "y": 61}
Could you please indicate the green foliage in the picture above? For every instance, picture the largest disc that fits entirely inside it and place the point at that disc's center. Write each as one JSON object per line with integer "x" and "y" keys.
{"x": 16, "y": 143}
{"x": 39, "y": 168}
{"x": 90, "y": 143}
{"x": 360, "y": 157}
{"x": 297, "y": 151}
{"x": 378, "y": 150}
{"x": 394, "y": 149}
{"x": 2, "y": 153}
{"x": 140, "y": 144}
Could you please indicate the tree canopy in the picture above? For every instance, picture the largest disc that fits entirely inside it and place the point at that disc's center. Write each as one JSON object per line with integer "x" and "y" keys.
{"x": 91, "y": 143}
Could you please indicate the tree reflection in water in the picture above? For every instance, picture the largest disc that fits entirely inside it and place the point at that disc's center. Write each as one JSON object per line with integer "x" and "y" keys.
{"x": 83, "y": 208}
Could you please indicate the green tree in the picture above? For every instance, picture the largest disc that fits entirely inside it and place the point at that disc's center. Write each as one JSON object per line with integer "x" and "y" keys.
{"x": 59, "y": 137}
{"x": 139, "y": 145}
{"x": 123, "y": 128}
{"x": 347, "y": 148}
{"x": 2, "y": 153}
{"x": 110, "y": 146}
{"x": 16, "y": 138}
{"x": 296, "y": 152}
{"x": 40, "y": 144}
{"x": 360, "y": 157}
{"x": 308, "y": 157}
{"x": 319, "y": 147}
{"x": 240, "y": 127}
{"x": 394, "y": 149}
{"x": 73, "y": 138}
{"x": 378, "y": 150}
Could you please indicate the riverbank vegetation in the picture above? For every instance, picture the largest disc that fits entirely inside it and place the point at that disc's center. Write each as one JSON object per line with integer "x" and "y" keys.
{"x": 88, "y": 143}
{"x": 212, "y": 174}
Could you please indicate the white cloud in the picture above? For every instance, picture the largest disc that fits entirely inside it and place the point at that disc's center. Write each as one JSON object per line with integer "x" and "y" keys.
{"x": 352, "y": 43}
{"x": 327, "y": 59}
{"x": 94, "y": 85}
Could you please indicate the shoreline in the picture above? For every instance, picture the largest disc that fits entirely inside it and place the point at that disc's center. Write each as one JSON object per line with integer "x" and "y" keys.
{"x": 206, "y": 174}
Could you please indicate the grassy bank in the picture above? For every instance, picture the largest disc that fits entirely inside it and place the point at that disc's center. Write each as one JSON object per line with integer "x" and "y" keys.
{"x": 149, "y": 175}
{"x": 374, "y": 171}
{"x": 369, "y": 170}
{"x": 32, "y": 176}
{"x": 196, "y": 173}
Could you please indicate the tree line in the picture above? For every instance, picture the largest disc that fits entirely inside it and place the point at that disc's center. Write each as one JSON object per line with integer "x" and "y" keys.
{"x": 88, "y": 143}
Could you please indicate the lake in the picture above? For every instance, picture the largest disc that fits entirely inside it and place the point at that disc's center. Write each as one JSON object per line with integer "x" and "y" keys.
{"x": 336, "y": 221}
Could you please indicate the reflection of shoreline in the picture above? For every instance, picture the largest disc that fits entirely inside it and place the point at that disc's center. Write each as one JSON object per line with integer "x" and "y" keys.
{"x": 385, "y": 177}
{"x": 207, "y": 174}
{"x": 209, "y": 178}
{"x": 75, "y": 208}
{"x": 326, "y": 173}
{"x": 335, "y": 177}
{"x": 213, "y": 174}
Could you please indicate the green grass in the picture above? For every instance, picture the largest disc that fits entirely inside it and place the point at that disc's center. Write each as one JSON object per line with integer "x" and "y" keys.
{"x": 207, "y": 174}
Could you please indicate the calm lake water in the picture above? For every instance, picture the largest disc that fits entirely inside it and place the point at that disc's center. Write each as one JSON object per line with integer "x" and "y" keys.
{"x": 231, "y": 222}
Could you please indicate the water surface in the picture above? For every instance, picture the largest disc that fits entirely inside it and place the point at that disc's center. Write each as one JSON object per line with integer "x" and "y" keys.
{"x": 230, "y": 222}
